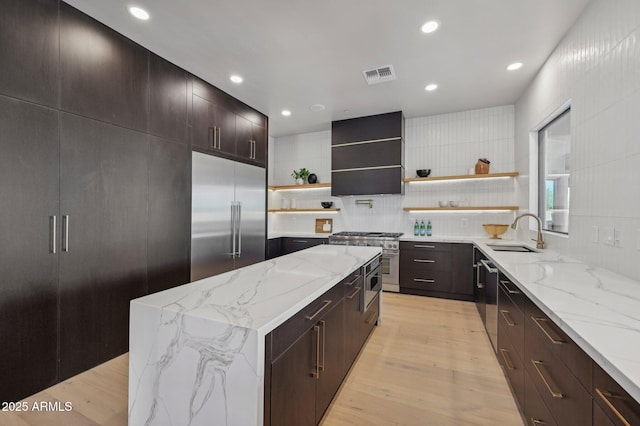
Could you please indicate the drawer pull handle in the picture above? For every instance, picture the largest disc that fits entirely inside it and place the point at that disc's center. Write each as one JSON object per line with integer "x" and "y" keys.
{"x": 547, "y": 382}
{"x": 424, "y": 260}
{"x": 300, "y": 241}
{"x": 354, "y": 280}
{"x": 551, "y": 335}
{"x": 354, "y": 293}
{"x": 507, "y": 359}
{"x": 507, "y": 318}
{"x": 423, "y": 246}
{"x": 505, "y": 285}
{"x": 322, "y": 308}
{"x": 316, "y": 373}
{"x": 535, "y": 421}
{"x": 606, "y": 397}
{"x": 422, "y": 280}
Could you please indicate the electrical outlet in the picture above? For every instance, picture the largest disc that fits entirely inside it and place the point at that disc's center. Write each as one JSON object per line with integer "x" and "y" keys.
{"x": 607, "y": 236}
{"x": 464, "y": 222}
{"x": 594, "y": 234}
{"x": 617, "y": 237}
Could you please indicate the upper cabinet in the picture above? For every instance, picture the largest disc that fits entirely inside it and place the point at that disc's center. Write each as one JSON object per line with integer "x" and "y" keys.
{"x": 30, "y": 54}
{"x": 103, "y": 75}
{"x": 367, "y": 155}
{"x": 225, "y": 126}
{"x": 168, "y": 109}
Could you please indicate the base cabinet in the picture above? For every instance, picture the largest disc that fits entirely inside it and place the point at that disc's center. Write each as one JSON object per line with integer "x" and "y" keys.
{"x": 291, "y": 245}
{"x": 308, "y": 356}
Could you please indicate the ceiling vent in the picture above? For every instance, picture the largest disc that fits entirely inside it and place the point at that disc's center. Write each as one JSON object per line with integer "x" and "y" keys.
{"x": 379, "y": 75}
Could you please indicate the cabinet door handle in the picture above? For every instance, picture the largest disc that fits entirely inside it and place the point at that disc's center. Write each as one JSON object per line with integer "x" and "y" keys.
{"x": 489, "y": 268}
{"x": 250, "y": 149}
{"x": 354, "y": 280}
{"x": 507, "y": 317}
{"x": 322, "y": 308}
{"x": 357, "y": 290}
{"x": 212, "y": 137}
{"x": 424, "y": 260}
{"x": 507, "y": 289}
{"x": 300, "y": 241}
{"x": 323, "y": 324}
{"x": 422, "y": 280}
{"x": 539, "y": 365}
{"x": 551, "y": 335}
{"x": 423, "y": 246}
{"x": 606, "y": 396}
{"x": 507, "y": 359}
{"x": 316, "y": 374}
{"x": 480, "y": 285}
{"x": 65, "y": 233}
{"x": 219, "y": 137}
{"x": 535, "y": 421}
{"x": 52, "y": 234}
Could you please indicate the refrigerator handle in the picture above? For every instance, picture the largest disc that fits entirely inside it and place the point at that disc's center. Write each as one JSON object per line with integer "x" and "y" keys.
{"x": 233, "y": 230}
{"x": 239, "y": 225}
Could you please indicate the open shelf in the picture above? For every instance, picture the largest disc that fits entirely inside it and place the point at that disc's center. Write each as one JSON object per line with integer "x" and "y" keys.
{"x": 415, "y": 209}
{"x": 462, "y": 177}
{"x": 298, "y": 187}
{"x": 303, "y": 210}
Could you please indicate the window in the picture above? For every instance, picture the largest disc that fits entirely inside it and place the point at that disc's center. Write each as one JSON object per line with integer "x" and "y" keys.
{"x": 554, "y": 149}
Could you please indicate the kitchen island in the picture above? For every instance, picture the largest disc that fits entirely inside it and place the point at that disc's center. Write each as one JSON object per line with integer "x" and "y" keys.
{"x": 197, "y": 352}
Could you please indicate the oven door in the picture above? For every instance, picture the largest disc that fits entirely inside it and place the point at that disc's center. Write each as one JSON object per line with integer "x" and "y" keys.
{"x": 372, "y": 286}
{"x": 390, "y": 271}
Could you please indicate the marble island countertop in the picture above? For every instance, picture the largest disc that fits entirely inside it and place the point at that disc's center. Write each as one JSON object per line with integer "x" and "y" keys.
{"x": 597, "y": 308}
{"x": 196, "y": 352}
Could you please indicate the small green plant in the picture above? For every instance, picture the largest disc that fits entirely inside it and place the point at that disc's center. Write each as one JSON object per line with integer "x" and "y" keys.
{"x": 300, "y": 174}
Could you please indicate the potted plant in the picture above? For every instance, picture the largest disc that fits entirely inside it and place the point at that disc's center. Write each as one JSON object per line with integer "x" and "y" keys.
{"x": 300, "y": 176}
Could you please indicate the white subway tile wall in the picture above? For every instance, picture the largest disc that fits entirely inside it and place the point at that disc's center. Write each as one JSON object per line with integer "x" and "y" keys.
{"x": 597, "y": 67}
{"x": 448, "y": 144}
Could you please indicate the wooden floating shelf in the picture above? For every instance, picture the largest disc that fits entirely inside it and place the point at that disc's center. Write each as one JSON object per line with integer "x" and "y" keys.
{"x": 303, "y": 210}
{"x": 461, "y": 208}
{"x": 305, "y": 186}
{"x": 462, "y": 177}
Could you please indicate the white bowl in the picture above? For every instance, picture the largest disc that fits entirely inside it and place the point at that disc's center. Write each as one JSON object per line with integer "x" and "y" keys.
{"x": 454, "y": 203}
{"x": 443, "y": 203}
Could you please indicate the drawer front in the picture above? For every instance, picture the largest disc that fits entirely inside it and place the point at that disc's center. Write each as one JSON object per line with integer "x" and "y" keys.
{"x": 426, "y": 280}
{"x": 425, "y": 261}
{"x": 567, "y": 400}
{"x": 513, "y": 368}
{"x": 600, "y": 418}
{"x": 536, "y": 412}
{"x": 425, "y": 246}
{"x": 562, "y": 346}
{"x": 518, "y": 298}
{"x": 614, "y": 401}
{"x": 370, "y": 317}
{"x": 288, "y": 332}
{"x": 511, "y": 322}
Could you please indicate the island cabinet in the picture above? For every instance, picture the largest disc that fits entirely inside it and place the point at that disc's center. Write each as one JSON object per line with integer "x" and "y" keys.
{"x": 612, "y": 405}
{"x": 436, "y": 269}
{"x": 308, "y": 356}
{"x": 292, "y": 244}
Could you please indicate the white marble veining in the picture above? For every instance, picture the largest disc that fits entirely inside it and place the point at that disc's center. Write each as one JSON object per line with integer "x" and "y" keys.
{"x": 597, "y": 308}
{"x": 196, "y": 352}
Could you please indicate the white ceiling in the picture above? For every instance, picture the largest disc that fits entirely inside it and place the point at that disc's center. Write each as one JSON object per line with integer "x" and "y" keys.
{"x": 295, "y": 53}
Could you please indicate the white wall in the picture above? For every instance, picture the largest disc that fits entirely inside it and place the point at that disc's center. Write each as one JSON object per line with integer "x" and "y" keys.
{"x": 597, "y": 67}
{"x": 449, "y": 144}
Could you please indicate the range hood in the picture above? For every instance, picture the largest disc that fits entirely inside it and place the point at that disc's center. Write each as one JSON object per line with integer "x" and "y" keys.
{"x": 367, "y": 155}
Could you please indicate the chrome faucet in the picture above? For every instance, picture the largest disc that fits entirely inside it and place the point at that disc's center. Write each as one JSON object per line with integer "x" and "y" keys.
{"x": 540, "y": 240}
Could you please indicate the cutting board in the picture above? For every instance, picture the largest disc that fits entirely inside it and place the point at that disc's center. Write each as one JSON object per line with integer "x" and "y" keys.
{"x": 320, "y": 223}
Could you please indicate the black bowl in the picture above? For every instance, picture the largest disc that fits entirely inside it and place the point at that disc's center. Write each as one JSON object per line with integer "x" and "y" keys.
{"x": 326, "y": 204}
{"x": 423, "y": 172}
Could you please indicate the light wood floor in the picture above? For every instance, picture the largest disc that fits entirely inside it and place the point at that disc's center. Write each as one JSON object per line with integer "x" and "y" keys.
{"x": 430, "y": 363}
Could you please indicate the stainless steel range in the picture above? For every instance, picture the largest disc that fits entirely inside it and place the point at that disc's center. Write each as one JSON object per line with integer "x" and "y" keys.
{"x": 390, "y": 244}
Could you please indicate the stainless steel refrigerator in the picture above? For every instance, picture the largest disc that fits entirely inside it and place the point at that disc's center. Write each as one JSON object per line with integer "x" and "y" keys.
{"x": 228, "y": 215}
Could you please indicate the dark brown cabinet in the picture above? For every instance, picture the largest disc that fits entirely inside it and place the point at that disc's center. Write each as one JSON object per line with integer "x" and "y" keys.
{"x": 367, "y": 155}
{"x": 250, "y": 141}
{"x": 274, "y": 248}
{"x": 168, "y": 100}
{"x": 612, "y": 405}
{"x": 29, "y": 190}
{"x": 103, "y": 75}
{"x": 292, "y": 244}
{"x": 103, "y": 260}
{"x": 214, "y": 128}
{"x": 30, "y": 54}
{"x": 308, "y": 356}
{"x": 436, "y": 269}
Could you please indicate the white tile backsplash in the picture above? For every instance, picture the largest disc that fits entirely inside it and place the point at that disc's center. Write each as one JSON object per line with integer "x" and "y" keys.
{"x": 596, "y": 66}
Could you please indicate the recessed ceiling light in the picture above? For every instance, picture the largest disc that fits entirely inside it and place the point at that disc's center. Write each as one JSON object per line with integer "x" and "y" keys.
{"x": 515, "y": 66}
{"x": 431, "y": 87}
{"x": 430, "y": 27}
{"x": 236, "y": 79}
{"x": 317, "y": 107}
{"x": 286, "y": 112}
{"x": 139, "y": 13}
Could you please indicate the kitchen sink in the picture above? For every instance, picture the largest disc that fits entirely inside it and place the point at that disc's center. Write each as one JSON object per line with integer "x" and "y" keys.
{"x": 512, "y": 248}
